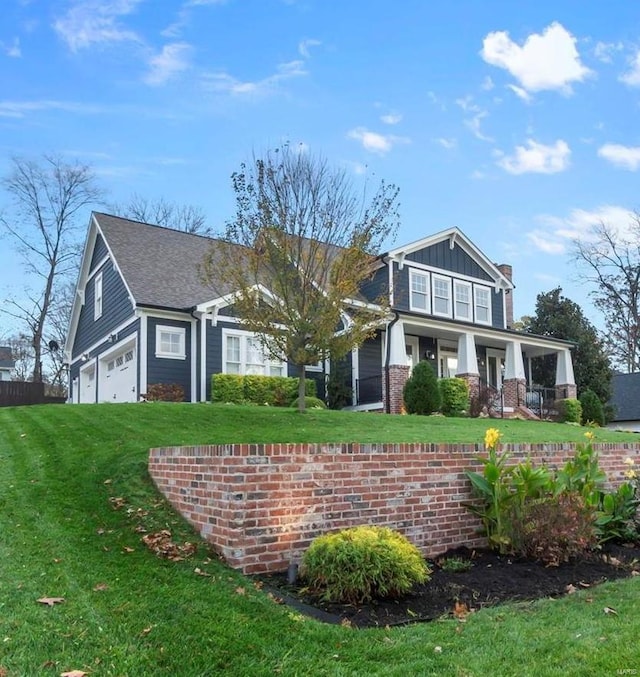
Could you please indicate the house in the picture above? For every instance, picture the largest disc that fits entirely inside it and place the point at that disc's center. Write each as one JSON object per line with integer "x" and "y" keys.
{"x": 142, "y": 316}
{"x": 625, "y": 400}
{"x": 7, "y": 364}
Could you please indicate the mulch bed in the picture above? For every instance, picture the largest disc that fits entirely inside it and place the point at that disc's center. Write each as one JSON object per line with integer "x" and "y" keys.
{"x": 491, "y": 580}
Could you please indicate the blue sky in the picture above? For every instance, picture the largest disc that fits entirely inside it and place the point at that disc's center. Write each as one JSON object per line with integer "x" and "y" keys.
{"x": 515, "y": 121}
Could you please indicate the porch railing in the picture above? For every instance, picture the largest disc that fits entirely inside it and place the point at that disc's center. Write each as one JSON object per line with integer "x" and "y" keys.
{"x": 369, "y": 389}
{"x": 540, "y": 400}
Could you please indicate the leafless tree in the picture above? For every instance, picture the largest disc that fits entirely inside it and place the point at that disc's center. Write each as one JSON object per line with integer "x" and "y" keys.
{"x": 161, "y": 212}
{"x": 48, "y": 197}
{"x": 297, "y": 255}
{"x": 611, "y": 264}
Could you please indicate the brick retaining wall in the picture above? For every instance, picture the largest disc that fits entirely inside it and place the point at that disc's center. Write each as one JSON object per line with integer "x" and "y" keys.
{"x": 260, "y": 505}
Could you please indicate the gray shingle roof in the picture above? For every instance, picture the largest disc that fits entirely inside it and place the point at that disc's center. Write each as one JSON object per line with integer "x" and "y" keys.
{"x": 626, "y": 397}
{"x": 160, "y": 265}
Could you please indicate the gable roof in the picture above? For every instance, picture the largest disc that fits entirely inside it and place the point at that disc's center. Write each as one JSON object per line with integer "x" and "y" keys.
{"x": 455, "y": 237}
{"x": 625, "y": 397}
{"x": 160, "y": 266}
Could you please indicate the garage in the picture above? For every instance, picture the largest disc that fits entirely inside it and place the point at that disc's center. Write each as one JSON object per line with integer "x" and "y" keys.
{"x": 87, "y": 386}
{"x": 118, "y": 381}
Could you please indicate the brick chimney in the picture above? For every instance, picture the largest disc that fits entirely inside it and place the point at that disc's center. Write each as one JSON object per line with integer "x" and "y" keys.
{"x": 507, "y": 271}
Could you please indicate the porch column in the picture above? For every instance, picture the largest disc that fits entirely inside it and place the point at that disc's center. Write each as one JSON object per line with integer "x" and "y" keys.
{"x": 565, "y": 380}
{"x": 468, "y": 363}
{"x": 515, "y": 380}
{"x": 398, "y": 369}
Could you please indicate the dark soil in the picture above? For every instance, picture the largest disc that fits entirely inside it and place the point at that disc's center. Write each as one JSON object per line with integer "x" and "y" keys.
{"x": 492, "y": 579}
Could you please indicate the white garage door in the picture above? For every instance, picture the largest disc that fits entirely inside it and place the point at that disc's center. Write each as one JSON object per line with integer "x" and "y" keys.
{"x": 87, "y": 387}
{"x": 118, "y": 382}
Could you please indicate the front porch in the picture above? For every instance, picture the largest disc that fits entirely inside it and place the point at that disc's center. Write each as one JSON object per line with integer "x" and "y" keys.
{"x": 497, "y": 365}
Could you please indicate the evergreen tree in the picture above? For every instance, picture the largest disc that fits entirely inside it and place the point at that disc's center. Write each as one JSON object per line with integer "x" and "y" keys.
{"x": 421, "y": 392}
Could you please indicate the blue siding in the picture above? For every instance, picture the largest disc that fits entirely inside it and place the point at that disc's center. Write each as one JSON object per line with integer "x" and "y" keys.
{"x": 497, "y": 309}
{"x": 377, "y": 286}
{"x": 164, "y": 370}
{"x": 455, "y": 260}
{"x": 99, "y": 252}
{"x": 116, "y": 309}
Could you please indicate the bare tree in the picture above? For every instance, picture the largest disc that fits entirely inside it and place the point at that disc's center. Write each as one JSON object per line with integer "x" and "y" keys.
{"x": 47, "y": 197}
{"x": 22, "y": 354}
{"x": 611, "y": 263}
{"x": 297, "y": 254}
{"x": 160, "y": 212}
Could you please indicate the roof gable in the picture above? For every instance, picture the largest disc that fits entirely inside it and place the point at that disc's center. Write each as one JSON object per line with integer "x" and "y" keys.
{"x": 440, "y": 249}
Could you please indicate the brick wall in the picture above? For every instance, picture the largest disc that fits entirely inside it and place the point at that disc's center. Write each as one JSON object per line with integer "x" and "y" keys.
{"x": 260, "y": 505}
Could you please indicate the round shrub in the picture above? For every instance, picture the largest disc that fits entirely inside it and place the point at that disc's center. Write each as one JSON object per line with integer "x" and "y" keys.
{"x": 592, "y": 409}
{"x": 421, "y": 393}
{"x": 455, "y": 396}
{"x": 310, "y": 403}
{"x": 362, "y": 563}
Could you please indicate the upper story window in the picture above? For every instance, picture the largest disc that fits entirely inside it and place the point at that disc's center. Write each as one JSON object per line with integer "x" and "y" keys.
{"x": 482, "y": 305}
{"x": 170, "y": 342}
{"x": 244, "y": 354}
{"x": 419, "y": 296}
{"x": 441, "y": 295}
{"x": 462, "y": 300}
{"x": 97, "y": 296}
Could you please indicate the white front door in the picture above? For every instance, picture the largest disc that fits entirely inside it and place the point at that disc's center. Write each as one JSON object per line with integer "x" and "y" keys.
{"x": 447, "y": 359}
{"x": 495, "y": 366}
{"x": 87, "y": 388}
{"x": 412, "y": 344}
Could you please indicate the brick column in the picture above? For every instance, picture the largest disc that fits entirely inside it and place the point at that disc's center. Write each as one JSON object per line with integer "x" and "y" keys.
{"x": 566, "y": 390}
{"x": 398, "y": 375}
{"x": 514, "y": 390}
{"x": 473, "y": 381}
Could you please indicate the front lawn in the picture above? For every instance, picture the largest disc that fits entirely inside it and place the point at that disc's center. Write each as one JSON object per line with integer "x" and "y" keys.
{"x": 75, "y": 501}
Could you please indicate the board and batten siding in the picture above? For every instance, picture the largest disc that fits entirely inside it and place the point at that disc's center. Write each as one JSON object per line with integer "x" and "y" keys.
{"x": 456, "y": 260}
{"x": 100, "y": 252}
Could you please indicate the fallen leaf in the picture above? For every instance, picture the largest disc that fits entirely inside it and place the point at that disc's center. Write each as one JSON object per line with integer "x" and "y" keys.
{"x": 437, "y": 649}
{"x": 460, "y": 611}
{"x": 273, "y": 598}
{"x": 635, "y": 572}
{"x": 100, "y": 587}
{"x": 582, "y": 584}
{"x": 610, "y": 610}
{"x": 200, "y": 572}
{"x": 117, "y": 502}
{"x": 240, "y": 591}
{"x": 146, "y": 631}
{"x": 51, "y": 601}
{"x": 258, "y": 585}
{"x": 99, "y": 532}
{"x": 3, "y": 672}
{"x": 128, "y": 549}
{"x": 346, "y": 623}
{"x": 107, "y": 482}
{"x": 570, "y": 589}
{"x": 74, "y": 673}
{"x": 56, "y": 560}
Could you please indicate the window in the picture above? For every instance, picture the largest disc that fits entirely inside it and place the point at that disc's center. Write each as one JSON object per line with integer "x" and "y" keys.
{"x": 244, "y": 354}
{"x": 441, "y": 296}
{"x": 170, "y": 342}
{"x": 419, "y": 285}
{"x": 97, "y": 296}
{"x": 483, "y": 305}
{"x": 462, "y": 308}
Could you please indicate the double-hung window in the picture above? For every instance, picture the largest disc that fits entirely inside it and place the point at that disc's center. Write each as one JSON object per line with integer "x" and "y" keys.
{"x": 419, "y": 285}
{"x": 441, "y": 295}
{"x": 462, "y": 302}
{"x": 97, "y": 296}
{"x": 170, "y": 342}
{"x": 244, "y": 354}
{"x": 482, "y": 304}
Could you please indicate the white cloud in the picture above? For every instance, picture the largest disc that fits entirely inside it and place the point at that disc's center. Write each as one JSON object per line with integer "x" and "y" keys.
{"x": 478, "y": 114}
{"x": 303, "y": 47}
{"x": 626, "y": 157}
{"x": 12, "y": 50}
{"x": 391, "y": 118}
{"x": 604, "y": 51}
{"x": 449, "y": 144}
{"x": 223, "y": 82}
{"x": 547, "y": 61}
{"x": 173, "y": 59}
{"x": 487, "y": 84}
{"x": 541, "y": 241}
{"x": 94, "y": 22}
{"x": 520, "y": 93}
{"x": 537, "y": 158}
{"x": 18, "y": 109}
{"x": 632, "y": 76}
{"x": 374, "y": 142}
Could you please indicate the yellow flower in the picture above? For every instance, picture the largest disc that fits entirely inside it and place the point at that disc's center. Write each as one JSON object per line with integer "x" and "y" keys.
{"x": 629, "y": 461}
{"x": 630, "y": 474}
{"x": 491, "y": 438}
{"x": 589, "y": 435}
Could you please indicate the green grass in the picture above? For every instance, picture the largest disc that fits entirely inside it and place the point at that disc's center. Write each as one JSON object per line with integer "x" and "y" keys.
{"x": 60, "y": 536}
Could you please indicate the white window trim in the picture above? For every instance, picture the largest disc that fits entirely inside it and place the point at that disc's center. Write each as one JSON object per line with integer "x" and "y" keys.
{"x": 412, "y": 274}
{"x": 466, "y": 285}
{"x": 448, "y": 280}
{"x": 179, "y": 331}
{"x": 477, "y": 288}
{"x": 97, "y": 297}
{"x": 244, "y": 335}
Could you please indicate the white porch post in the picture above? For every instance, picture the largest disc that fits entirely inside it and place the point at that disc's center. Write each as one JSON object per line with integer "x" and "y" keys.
{"x": 515, "y": 380}
{"x": 467, "y": 358}
{"x": 565, "y": 380}
{"x": 398, "y": 369}
{"x": 397, "y": 349}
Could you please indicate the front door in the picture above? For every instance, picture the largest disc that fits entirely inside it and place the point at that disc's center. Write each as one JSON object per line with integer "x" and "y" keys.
{"x": 495, "y": 368}
{"x": 412, "y": 345}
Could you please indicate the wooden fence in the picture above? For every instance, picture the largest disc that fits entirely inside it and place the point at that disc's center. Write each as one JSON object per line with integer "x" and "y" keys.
{"x": 15, "y": 393}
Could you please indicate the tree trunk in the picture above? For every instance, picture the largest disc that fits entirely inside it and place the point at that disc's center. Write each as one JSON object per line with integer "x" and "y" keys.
{"x": 301, "y": 388}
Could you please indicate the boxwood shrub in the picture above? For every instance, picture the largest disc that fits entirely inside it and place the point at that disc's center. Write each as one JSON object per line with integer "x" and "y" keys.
{"x": 275, "y": 391}
{"x": 455, "y": 396}
{"x": 569, "y": 410}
